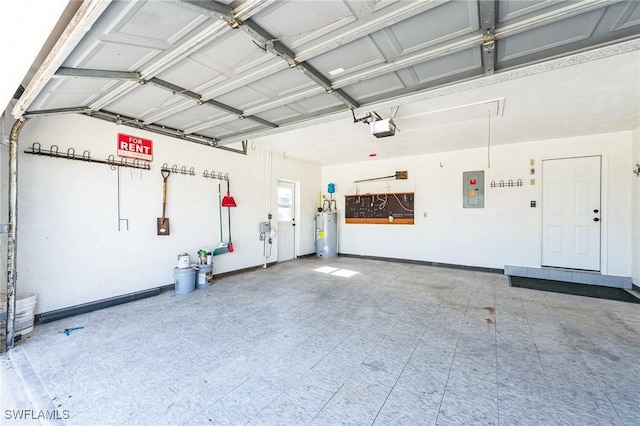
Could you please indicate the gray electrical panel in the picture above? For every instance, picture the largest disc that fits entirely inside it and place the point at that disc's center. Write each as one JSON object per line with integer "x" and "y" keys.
{"x": 473, "y": 189}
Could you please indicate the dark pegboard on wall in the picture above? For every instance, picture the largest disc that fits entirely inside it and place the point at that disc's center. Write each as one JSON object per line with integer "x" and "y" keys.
{"x": 387, "y": 208}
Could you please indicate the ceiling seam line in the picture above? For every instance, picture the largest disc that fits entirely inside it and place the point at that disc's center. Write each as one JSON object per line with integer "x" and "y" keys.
{"x": 119, "y": 119}
{"x": 277, "y": 48}
{"x": 178, "y": 90}
{"x": 159, "y": 129}
{"x": 571, "y": 10}
{"x": 367, "y": 28}
{"x": 126, "y": 75}
{"x": 410, "y": 60}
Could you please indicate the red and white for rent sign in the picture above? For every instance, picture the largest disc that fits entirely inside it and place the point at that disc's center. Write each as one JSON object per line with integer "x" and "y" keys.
{"x": 135, "y": 147}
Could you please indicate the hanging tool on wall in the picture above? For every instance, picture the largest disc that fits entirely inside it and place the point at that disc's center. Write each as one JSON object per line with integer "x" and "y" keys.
{"x": 229, "y": 202}
{"x": 163, "y": 222}
{"x": 222, "y": 247}
{"x": 399, "y": 175}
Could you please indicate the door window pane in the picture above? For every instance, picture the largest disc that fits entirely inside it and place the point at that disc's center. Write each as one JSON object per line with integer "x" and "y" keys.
{"x": 285, "y": 204}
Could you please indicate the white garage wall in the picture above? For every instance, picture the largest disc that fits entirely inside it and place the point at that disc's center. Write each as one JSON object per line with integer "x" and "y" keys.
{"x": 69, "y": 248}
{"x": 507, "y": 230}
{"x": 636, "y": 210}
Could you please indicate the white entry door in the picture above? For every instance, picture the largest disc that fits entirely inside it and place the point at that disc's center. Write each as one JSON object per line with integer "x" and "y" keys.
{"x": 571, "y": 213}
{"x": 286, "y": 221}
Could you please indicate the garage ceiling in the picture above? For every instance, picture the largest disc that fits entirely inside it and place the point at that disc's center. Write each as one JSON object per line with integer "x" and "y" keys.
{"x": 218, "y": 73}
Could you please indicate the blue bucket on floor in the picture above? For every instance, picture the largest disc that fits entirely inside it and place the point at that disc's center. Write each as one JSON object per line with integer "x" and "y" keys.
{"x": 185, "y": 279}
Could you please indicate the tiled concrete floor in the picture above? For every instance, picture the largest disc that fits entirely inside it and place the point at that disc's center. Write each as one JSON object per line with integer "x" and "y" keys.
{"x": 393, "y": 344}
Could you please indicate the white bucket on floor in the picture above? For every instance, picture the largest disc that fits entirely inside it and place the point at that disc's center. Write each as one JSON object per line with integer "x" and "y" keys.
{"x": 25, "y": 305}
{"x": 185, "y": 279}
{"x": 183, "y": 260}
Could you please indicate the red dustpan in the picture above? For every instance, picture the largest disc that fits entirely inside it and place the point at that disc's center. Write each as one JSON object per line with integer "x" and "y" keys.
{"x": 227, "y": 200}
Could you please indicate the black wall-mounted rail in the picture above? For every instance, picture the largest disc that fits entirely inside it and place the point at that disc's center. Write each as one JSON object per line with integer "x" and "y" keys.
{"x": 213, "y": 175}
{"x": 508, "y": 184}
{"x": 70, "y": 154}
{"x": 177, "y": 170}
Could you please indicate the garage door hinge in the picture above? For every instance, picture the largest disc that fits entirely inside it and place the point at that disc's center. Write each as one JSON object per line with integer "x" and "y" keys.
{"x": 488, "y": 38}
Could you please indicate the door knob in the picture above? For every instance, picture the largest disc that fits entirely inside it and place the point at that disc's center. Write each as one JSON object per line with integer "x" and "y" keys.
{"x": 596, "y": 211}
{"x": 596, "y": 219}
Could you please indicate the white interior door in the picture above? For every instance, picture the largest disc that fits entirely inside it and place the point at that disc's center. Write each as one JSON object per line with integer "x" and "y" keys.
{"x": 286, "y": 221}
{"x": 571, "y": 213}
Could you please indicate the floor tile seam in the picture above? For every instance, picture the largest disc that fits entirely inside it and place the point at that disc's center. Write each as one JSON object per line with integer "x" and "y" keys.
{"x": 308, "y": 338}
{"x": 444, "y": 391}
{"x": 325, "y": 404}
{"x": 344, "y": 383}
{"x": 424, "y": 332}
{"x": 207, "y": 407}
{"x": 229, "y": 339}
{"x": 303, "y": 320}
{"x": 332, "y": 350}
{"x": 626, "y": 346}
{"x": 157, "y": 403}
{"x": 353, "y": 331}
{"x": 535, "y": 344}
{"x": 270, "y": 402}
{"x": 378, "y": 343}
{"x": 593, "y": 376}
{"x": 248, "y": 311}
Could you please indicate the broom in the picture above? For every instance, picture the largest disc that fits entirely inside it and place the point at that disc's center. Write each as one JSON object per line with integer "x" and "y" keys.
{"x": 229, "y": 202}
{"x": 222, "y": 248}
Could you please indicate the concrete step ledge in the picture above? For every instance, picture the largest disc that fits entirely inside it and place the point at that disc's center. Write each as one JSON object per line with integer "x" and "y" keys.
{"x": 633, "y": 292}
{"x": 569, "y": 275}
